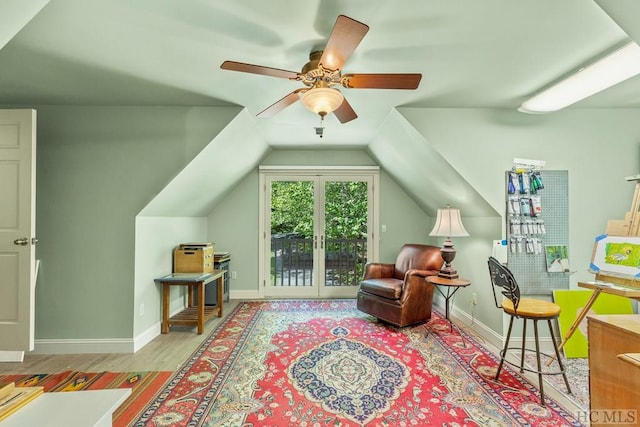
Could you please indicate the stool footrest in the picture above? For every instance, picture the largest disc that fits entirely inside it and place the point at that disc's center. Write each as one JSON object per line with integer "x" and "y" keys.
{"x": 535, "y": 371}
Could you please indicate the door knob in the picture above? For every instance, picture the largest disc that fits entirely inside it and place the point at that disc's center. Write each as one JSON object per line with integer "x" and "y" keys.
{"x": 21, "y": 242}
{"x": 34, "y": 240}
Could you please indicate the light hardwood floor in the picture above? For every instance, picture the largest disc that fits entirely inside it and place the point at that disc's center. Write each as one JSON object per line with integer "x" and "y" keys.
{"x": 167, "y": 352}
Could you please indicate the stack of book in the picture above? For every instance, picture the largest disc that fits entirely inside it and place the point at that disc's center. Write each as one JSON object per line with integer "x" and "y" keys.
{"x": 13, "y": 398}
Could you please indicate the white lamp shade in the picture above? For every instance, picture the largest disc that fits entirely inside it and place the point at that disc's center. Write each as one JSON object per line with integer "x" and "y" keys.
{"x": 449, "y": 224}
{"x": 322, "y": 100}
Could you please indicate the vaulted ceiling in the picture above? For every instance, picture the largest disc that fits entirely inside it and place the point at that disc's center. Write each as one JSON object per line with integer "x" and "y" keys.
{"x": 472, "y": 54}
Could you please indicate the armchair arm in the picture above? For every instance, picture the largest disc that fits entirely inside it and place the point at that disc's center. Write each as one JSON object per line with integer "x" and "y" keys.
{"x": 377, "y": 270}
{"x": 416, "y": 289}
{"x": 421, "y": 273}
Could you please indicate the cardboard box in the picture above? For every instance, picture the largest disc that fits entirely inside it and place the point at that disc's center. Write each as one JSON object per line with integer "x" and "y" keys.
{"x": 193, "y": 258}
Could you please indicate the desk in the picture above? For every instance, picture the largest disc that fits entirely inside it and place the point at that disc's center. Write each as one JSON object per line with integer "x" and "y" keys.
{"x": 632, "y": 358}
{"x": 194, "y": 314}
{"x": 452, "y": 286}
{"x": 614, "y": 380}
{"x": 70, "y": 408}
{"x": 597, "y": 290}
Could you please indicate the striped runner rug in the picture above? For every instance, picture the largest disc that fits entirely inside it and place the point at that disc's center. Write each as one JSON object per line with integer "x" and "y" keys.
{"x": 144, "y": 385}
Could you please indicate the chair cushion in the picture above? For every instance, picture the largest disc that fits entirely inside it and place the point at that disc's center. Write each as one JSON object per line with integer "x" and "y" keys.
{"x": 389, "y": 288}
{"x": 532, "y": 308}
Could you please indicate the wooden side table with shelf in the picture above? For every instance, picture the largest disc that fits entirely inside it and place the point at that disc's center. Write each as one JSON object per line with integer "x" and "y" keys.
{"x": 196, "y": 313}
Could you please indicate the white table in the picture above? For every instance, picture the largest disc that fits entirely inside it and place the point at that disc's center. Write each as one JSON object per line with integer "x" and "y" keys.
{"x": 91, "y": 408}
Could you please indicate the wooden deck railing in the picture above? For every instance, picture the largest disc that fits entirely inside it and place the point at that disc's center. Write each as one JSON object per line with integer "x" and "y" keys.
{"x": 292, "y": 261}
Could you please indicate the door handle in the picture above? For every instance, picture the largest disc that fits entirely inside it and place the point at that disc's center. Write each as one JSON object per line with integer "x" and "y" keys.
{"x": 21, "y": 242}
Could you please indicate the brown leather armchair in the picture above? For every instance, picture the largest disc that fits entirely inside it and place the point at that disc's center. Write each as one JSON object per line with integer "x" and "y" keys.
{"x": 398, "y": 293}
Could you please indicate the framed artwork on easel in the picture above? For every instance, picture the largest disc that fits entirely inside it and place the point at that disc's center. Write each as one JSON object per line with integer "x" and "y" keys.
{"x": 616, "y": 256}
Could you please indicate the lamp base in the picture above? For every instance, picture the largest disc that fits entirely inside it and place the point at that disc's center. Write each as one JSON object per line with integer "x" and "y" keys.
{"x": 448, "y": 255}
{"x": 448, "y": 273}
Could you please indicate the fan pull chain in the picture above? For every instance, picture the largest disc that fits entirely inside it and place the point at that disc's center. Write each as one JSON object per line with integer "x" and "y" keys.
{"x": 320, "y": 129}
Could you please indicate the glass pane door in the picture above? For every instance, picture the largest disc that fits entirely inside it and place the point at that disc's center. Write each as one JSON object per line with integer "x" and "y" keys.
{"x": 292, "y": 238}
{"x": 316, "y": 235}
{"x": 346, "y": 218}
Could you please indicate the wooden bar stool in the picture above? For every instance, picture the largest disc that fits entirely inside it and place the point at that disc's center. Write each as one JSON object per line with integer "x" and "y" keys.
{"x": 527, "y": 309}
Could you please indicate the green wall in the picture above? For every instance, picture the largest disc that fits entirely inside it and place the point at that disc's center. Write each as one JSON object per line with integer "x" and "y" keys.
{"x": 598, "y": 148}
{"x": 97, "y": 167}
{"x": 233, "y": 223}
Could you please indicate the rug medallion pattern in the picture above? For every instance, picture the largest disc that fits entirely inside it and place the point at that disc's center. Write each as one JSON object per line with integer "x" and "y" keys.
{"x": 321, "y": 363}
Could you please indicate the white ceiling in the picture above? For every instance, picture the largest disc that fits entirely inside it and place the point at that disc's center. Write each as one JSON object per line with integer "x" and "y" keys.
{"x": 489, "y": 53}
{"x": 471, "y": 53}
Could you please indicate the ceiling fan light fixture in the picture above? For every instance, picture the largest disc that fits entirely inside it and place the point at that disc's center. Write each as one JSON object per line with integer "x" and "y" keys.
{"x": 322, "y": 100}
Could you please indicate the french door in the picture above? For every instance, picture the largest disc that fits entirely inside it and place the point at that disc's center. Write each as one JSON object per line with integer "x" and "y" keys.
{"x": 317, "y": 233}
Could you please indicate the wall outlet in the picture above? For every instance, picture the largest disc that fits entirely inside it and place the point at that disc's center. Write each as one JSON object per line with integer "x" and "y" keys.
{"x": 234, "y": 274}
{"x": 474, "y": 298}
{"x": 141, "y": 310}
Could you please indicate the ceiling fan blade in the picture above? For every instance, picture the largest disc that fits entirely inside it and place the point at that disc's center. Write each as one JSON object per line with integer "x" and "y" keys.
{"x": 280, "y": 105}
{"x": 258, "y": 69}
{"x": 345, "y": 37}
{"x": 345, "y": 113}
{"x": 381, "y": 81}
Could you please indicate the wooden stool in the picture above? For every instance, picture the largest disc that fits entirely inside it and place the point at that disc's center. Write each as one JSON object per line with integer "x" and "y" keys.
{"x": 527, "y": 309}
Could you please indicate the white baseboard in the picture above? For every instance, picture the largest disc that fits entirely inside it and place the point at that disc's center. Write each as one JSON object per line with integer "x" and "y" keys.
{"x": 79, "y": 346}
{"x": 466, "y": 320}
{"x": 146, "y": 337}
{"x": 489, "y": 335}
{"x": 102, "y": 345}
{"x": 245, "y": 295}
{"x": 11, "y": 356}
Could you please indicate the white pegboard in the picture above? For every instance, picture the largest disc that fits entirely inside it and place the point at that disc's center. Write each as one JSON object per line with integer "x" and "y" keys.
{"x": 530, "y": 270}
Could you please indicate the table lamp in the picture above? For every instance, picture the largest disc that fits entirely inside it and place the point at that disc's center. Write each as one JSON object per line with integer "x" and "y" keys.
{"x": 448, "y": 224}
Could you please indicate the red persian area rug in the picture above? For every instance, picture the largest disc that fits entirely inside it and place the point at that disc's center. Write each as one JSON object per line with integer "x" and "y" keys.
{"x": 324, "y": 363}
{"x": 144, "y": 386}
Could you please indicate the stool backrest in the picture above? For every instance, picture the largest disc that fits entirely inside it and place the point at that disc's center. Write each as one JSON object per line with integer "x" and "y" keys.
{"x": 503, "y": 278}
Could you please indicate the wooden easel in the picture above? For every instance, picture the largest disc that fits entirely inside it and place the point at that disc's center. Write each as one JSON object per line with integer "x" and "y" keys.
{"x": 629, "y": 226}
{"x": 625, "y": 286}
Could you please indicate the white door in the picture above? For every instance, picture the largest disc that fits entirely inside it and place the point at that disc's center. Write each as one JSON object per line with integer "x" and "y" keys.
{"x": 17, "y": 229}
{"x": 317, "y": 235}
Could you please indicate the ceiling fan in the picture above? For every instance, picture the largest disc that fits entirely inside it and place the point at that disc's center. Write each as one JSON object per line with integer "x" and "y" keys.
{"x": 323, "y": 72}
